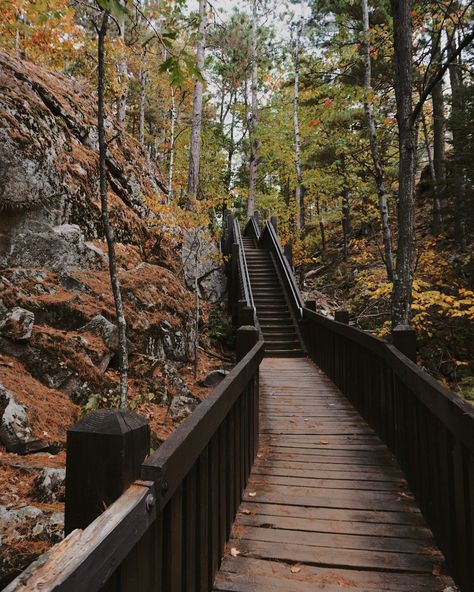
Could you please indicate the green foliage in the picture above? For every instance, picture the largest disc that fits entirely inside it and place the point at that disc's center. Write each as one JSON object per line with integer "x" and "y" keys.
{"x": 220, "y": 329}
{"x": 111, "y": 400}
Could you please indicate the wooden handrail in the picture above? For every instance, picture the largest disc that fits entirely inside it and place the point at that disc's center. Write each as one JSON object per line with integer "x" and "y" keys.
{"x": 168, "y": 533}
{"x": 243, "y": 272}
{"x": 252, "y": 228}
{"x": 270, "y": 238}
{"x": 169, "y": 465}
{"x": 85, "y": 560}
{"x": 429, "y": 428}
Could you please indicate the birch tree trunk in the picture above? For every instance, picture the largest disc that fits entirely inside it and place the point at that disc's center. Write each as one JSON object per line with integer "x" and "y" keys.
{"x": 231, "y": 149}
{"x": 374, "y": 149}
{"x": 299, "y": 192}
{"x": 109, "y": 233}
{"x": 143, "y": 81}
{"x": 123, "y": 73}
{"x": 406, "y": 247}
{"x": 195, "y": 142}
{"x": 172, "y": 134}
{"x": 253, "y": 119}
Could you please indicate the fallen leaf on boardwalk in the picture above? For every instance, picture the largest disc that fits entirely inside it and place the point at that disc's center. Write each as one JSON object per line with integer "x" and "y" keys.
{"x": 295, "y": 568}
{"x": 324, "y": 441}
{"x": 245, "y": 511}
{"x": 252, "y": 493}
{"x": 436, "y": 570}
{"x": 234, "y": 552}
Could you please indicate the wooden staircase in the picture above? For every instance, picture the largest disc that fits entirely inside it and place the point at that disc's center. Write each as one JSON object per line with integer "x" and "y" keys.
{"x": 276, "y": 321}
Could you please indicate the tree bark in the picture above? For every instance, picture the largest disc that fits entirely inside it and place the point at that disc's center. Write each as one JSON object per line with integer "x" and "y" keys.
{"x": 123, "y": 73}
{"x": 436, "y": 221}
{"x": 439, "y": 134}
{"x": 459, "y": 182}
{"x": 374, "y": 148}
{"x": 321, "y": 226}
{"x": 231, "y": 148}
{"x": 406, "y": 246}
{"x": 143, "y": 81}
{"x": 299, "y": 191}
{"x": 253, "y": 120}
{"x": 172, "y": 138}
{"x": 195, "y": 143}
{"x": 109, "y": 233}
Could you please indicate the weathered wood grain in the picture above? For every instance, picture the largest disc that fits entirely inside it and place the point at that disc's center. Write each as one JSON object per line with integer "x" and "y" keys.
{"x": 327, "y": 496}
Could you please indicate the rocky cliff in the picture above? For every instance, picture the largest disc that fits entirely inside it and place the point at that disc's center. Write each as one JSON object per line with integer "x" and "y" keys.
{"x": 57, "y": 333}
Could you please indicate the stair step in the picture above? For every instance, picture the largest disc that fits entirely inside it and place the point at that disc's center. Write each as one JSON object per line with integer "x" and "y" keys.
{"x": 286, "y": 345}
{"x": 264, "y": 301}
{"x": 269, "y": 283}
{"x": 280, "y": 336}
{"x": 275, "y": 316}
{"x": 285, "y": 353}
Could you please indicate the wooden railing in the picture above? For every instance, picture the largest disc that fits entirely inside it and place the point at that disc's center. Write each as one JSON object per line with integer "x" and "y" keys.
{"x": 268, "y": 239}
{"x": 167, "y": 531}
{"x": 429, "y": 428}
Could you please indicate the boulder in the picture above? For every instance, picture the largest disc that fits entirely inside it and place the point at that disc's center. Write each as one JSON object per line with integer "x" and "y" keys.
{"x": 202, "y": 259}
{"x": 35, "y": 243}
{"x": 22, "y": 531}
{"x": 183, "y": 402}
{"x": 103, "y": 328}
{"x": 214, "y": 377}
{"x": 16, "y": 323}
{"x": 49, "y": 485}
{"x": 15, "y": 431}
{"x": 165, "y": 342}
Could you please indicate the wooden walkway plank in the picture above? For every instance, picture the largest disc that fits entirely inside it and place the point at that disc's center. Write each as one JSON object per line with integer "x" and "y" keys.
{"x": 245, "y": 570}
{"x": 326, "y": 507}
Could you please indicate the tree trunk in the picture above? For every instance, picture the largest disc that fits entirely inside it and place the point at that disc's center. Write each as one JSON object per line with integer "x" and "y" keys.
{"x": 253, "y": 121}
{"x": 109, "y": 233}
{"x": 299, "y": 192}
{"x": 195, "y": 143}
{"x": 459, "y": 182}
{"x": 123, "y": 73}
{"x": 321, "y": 226}
{"x": 346, "y": 219}
{"x": 172, "y": 134}
{"x": 439, "y": 133}
{"x": 406, "y": 247}
{"x": 196, "y": 306}
{"x": 231, "y": 148}
{"x": 143, "y": 81}
{"x": 436, "y": 221}
{"x": 374, "y": 148}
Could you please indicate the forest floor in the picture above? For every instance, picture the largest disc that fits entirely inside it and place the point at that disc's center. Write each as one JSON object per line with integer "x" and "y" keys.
{"x": 31, "y": 501}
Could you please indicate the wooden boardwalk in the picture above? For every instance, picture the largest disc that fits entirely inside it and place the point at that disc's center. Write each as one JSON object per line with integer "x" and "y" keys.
{"x": 327, "y": 507}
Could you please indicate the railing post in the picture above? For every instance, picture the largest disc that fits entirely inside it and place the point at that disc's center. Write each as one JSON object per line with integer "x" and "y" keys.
{"x": 274, "y": 223}
{"x": 105, "y": 450}
{"x": 404, "y": 339}
{"x": 234, "y": 291}
{"x": 247, "y": 337}
{"x": 342, "y": 316}
{"x": 245, "y": 314}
